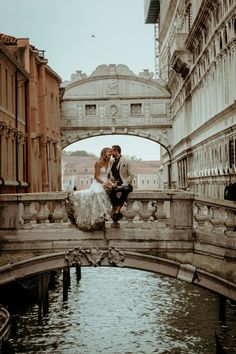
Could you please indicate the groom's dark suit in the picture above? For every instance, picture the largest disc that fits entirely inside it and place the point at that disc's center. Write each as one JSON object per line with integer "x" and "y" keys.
{"x": 121, "y": 171}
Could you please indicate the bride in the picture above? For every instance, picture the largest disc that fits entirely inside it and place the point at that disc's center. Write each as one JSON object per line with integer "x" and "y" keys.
{"x": 91, "y": 206}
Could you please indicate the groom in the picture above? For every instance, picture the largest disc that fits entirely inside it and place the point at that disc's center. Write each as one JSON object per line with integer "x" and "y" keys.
{"x": 122, "y": 175}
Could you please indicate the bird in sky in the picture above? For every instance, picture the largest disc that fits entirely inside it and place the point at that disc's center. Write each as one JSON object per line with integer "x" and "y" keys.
{"x": 92, "y": 35}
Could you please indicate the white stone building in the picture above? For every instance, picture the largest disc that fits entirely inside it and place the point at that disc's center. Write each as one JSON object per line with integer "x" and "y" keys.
{"x": 197, "y": 60}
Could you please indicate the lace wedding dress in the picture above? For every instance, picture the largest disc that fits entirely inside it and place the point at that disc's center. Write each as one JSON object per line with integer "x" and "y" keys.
{"x": 91, "y": 207}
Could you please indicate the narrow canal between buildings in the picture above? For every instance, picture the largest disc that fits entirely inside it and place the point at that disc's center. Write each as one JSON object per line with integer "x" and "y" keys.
{"x": 116, "y": 311}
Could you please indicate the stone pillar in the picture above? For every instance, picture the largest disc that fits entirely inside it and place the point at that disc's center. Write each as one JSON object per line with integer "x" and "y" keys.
{"x": 181, "y": 211}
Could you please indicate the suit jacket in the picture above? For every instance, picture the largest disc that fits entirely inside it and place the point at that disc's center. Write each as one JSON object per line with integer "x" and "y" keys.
{"x": 126, "y": 171}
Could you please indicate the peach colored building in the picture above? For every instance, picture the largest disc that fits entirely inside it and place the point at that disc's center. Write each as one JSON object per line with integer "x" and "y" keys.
{"x": 30, "y": 154}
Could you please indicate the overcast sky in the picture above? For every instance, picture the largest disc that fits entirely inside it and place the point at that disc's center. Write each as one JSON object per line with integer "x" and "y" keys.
{"x": 82, "y": 34}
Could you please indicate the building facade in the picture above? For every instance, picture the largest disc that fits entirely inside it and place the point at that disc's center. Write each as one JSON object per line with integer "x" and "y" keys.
{"x": 78, "y": 173}
{"x": 30, "y": 158}
{"x": 197, "y": 60}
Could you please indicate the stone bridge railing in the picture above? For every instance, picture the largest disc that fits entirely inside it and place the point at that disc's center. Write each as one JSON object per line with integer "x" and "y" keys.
{"x": 160, "y": 209}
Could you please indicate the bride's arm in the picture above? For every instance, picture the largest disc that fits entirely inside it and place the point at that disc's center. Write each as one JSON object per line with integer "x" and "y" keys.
{"x": 97, "y": 172}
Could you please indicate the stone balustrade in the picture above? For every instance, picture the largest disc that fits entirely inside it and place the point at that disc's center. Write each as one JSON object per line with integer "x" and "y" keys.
{"x": 171, "y": 208}
{"x": 215, "y": 216}
{"x": 32, "y": 210}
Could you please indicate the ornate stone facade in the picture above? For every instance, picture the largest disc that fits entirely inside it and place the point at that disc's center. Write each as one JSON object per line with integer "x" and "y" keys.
{"x": 198, "y": 62}
{"x": 113, "y": 100}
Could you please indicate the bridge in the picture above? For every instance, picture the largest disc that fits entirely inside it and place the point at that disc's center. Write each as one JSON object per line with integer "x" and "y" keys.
{"x": 170, "y": 232}
{"x": 115, "y": 101}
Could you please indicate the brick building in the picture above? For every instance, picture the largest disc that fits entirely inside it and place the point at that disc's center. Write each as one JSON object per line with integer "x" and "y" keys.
{"x": 30, "y": 159}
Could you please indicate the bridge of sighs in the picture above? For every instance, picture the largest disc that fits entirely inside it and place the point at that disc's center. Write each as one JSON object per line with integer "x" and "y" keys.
{"x": 113, "y": 100}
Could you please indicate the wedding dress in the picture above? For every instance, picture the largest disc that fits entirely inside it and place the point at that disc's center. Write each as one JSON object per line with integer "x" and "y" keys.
{"x": 91, "y": 207}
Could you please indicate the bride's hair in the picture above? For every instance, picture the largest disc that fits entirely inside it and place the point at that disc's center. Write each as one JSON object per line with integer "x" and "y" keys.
{"x": 103, "y": 155}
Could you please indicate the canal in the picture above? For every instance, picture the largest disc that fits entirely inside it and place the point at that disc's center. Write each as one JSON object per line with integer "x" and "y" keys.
{"x": 123, "y": 311}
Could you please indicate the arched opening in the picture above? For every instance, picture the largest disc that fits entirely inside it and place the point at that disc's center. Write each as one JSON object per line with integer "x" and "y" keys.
{"x": 145, "y": 152}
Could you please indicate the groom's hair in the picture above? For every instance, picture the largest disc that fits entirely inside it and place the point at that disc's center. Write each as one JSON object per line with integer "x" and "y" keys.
{"x": 117, "y": 148}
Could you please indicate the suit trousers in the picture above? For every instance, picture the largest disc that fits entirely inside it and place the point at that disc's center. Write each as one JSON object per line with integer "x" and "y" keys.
{"x": 119, "y": 196}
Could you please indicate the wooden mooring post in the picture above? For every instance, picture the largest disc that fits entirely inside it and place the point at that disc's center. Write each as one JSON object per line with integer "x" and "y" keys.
{"x": 66, "y": 282}
{"x": 43, "y": 303}
{"x": 78, "y": 272}
{"x": 222, "y": 308}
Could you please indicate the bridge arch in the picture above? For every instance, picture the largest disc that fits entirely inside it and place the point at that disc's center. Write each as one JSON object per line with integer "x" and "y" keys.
{"x": 113, "y": 100}
{"x": 132, "y": 260}
{"x": 105, "y": 132}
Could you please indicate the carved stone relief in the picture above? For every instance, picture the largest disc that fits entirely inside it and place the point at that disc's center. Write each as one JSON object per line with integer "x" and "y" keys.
{"x": 75, "y": 256}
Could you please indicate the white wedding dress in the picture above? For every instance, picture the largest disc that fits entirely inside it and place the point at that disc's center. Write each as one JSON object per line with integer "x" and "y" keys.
{"x": 91, "y": 207}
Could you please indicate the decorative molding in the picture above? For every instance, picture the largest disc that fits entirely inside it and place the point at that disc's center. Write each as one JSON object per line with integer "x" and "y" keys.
{"x": 75, "y": 256}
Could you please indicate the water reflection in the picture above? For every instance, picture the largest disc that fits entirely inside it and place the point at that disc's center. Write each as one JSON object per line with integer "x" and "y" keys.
{"x": 114, "y": 311}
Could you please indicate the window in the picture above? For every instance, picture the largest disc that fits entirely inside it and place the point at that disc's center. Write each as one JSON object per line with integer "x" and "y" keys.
{"x": 81, "y": 182}
{"x": 232, "y": 153}
{"x": 12, "y": 94}
{"x": 135, "y": 108}
{"x": 182, "y": 173}
{"x": 6, "y": 87}
{"x": 90, "y": 110}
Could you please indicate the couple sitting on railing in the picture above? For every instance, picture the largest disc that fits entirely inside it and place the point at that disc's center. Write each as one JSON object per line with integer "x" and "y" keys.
{"x": 107, "y": 194}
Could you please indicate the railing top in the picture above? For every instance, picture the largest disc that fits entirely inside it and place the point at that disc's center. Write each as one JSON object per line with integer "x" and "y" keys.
{"x": 165, "y": 194}
{"x": 217, "y": 202}
{"x": 161, "y": 194}
{"x": 41, "y": 196}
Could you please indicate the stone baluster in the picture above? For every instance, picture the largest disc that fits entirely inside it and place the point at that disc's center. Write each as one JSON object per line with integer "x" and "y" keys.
{"x": 28, "y": 214}
{"x": 160, "y": 215}
{"x": 58, "y": 213}
{"x": 230, "y": 223}
{"x": 129, "y": 213}
{"x": 202, "y": 216}
{"x": 43, "y": 214}
{"x": 217, "y": 219}
{"x": 145, "y": 212}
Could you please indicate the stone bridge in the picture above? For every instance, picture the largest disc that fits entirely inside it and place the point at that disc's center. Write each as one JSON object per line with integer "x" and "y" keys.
{"x": 113, "y": 100}
{"x": 169, "y": 232}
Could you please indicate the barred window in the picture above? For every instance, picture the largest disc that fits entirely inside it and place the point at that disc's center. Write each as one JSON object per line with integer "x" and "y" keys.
{"x": 232, "y": 153}
{"x": 90, "y": 110}
{"x": 136, "y": 108}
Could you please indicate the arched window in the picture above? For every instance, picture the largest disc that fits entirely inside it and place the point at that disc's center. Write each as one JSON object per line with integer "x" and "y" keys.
{"x": 225, "y": 35}
{"x": 221, "y": 44}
